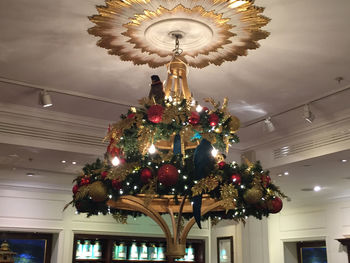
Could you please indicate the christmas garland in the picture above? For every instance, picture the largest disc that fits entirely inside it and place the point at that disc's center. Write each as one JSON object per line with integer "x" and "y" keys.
{"x": 152, "y": 151}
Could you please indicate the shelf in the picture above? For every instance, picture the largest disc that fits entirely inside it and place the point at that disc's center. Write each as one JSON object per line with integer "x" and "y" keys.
{"x": 89, "y": 259}
{"x": 107, "y": 248}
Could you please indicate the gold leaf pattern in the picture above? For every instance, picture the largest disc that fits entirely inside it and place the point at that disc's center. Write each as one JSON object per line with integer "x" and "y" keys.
{"x": 121, "y": 25}
{"x": 121, "y": 219}
{"x": 206, "y": 185}
{"x": 228, "y": 194}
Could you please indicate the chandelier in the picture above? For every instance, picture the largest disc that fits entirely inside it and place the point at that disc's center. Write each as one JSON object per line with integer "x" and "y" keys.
{"x": 167, "y": 156}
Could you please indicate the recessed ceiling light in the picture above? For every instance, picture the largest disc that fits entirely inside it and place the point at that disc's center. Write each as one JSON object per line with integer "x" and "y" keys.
{"x": 279, "y": 175}
{"x": 286, "y": 173}
{"x": 74, "y": 162}
{"x": 317, "y": 188}
{"x": 30, "y": 174}
{"x": 344, "y": 161}
{"x": 63, "y": 161}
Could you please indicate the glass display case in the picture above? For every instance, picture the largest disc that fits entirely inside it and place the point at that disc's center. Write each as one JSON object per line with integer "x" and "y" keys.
{"x": 120, "y": 249}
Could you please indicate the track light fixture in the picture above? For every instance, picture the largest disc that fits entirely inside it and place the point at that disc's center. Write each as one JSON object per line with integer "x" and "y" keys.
{"x": 45, "y": 99}
{"x": 268, "y": 125}
{"x": 308, "y": 115}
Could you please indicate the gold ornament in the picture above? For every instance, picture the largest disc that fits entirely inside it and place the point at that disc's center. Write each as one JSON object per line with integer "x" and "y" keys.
{"x": 122, "y": 219}
{"x": 219, "y": 129}
{"x": 206, "y": 185}
{"x": 253, "y": 195}
{"x": 234, "y": 124}
{"x": 228, "y": 194}
{"x": 82, "y": 192}
{"x": 149, "y": 190}
{"x": 121, "y": 172}
{"x": 98, "y": 191}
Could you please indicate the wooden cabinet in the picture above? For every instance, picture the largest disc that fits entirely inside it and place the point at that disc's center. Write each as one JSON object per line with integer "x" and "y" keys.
{"x": 103, "y": 249}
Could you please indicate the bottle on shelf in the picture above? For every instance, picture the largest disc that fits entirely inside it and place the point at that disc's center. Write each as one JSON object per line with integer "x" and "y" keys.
{"x": 133, "y": 251}
{"x": 88, "y": 249}
{"x": 79, "y": 251}
{"x": 143, "y": 252}
{"x": 97, "y": 250}
{"x": 161, "y": 252}
{"x": 152, "y": 252}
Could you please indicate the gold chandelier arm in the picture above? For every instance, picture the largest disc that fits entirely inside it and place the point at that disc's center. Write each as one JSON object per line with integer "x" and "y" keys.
{"x": 185, "y": 90}
{"x": 173, "y": 223}
{"x": 178, "y": 227}
{"x": 177, "y": 85}
{"x": 190, "y": 223}
{"x": 136, "y": 204}
{"x": 168, "y": 86}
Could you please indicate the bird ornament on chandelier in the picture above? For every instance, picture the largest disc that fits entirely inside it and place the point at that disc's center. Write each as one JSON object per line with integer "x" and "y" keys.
{"x": 168, "y": 156}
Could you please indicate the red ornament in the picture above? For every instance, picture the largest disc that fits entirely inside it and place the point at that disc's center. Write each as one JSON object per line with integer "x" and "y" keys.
{"x": 213, "y": 119}
{"x": 75, "y": 189}
{"x": 85, "y": 181}
{"x": 205, "y": 109}
{"x": 146, "y": 175}
{"x": 236, "y": 179}
{"x": 155, "y": 113}
{"x": 275, "y": 205}
{"x": 116, "y": 184}
{"x": 168, "y": 175}
{"x": 221, "y": 165}
{"x": 131, "y": 116}
{"x": 194, "y": 119}
{"x": 266, "y": 180}
{"x": 104, "y": 174}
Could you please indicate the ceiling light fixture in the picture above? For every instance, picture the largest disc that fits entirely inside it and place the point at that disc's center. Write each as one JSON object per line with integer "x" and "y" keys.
{"x": 286, "y": 173}
{"x": 317, "y": 188}
{"x": 74, "y": 162}
{"x": 45, "y": 99}
{"x": 63, "y": 161}
{"x": 308, "y": 115}
{"x": 344, "y": 161}
{"x": 268, "y": 125}
{"x": 30, "y": 174}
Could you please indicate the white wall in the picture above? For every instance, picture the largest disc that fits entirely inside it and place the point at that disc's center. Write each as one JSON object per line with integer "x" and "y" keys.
{"x": 224, "y": 229}
{"x": 30, "y": 209}
{"x": 328, "y": 222}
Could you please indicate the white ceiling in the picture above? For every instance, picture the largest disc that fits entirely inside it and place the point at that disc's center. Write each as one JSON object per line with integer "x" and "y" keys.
{"x": 328, "y": 172}
{"x": 46, "y": 43}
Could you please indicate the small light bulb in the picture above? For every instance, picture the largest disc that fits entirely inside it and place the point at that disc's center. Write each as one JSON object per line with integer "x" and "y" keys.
{"x": 199, "y": 108}
{"x": 63, "y": 161}
{"x": 317, "y": 188}
{"x": 214, "y": 152}
{"x": 152, "y": 149}
{"x": 115, "y": 161}
{"x": 74, "y": 162}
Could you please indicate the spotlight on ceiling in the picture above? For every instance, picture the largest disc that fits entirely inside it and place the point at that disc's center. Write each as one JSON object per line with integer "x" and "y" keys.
{"x": 268, "y": 125}
{"x": 308, "y": 115}
{"x": 317, "y": 188}
{"x": 45, "y": 99}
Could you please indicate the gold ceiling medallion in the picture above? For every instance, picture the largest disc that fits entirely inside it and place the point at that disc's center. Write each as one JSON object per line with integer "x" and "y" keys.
{"x": 212, "y": 31}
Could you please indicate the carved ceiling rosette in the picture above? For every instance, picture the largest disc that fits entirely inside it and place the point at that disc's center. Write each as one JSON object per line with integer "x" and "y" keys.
{"x": 211, "y": 31}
